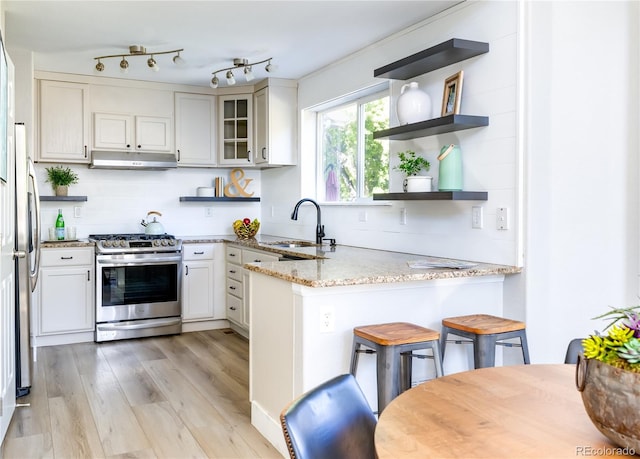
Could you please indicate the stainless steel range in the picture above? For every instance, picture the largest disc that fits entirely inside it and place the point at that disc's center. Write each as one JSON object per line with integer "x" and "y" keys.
{"x": 137, "y": 285}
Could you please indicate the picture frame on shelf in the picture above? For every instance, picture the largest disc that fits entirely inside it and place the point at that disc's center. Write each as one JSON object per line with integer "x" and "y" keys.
{"x": 452, "y": 94}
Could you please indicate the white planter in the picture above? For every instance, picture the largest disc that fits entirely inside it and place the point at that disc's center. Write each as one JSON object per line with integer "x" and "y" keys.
{"x": 417, "y": 184}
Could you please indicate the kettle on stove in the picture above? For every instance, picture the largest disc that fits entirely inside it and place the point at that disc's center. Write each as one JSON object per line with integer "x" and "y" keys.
{"x": 153, "y": 227}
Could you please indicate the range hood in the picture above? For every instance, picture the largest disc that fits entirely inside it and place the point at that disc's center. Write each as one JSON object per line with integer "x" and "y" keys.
{"x": 132, "y": 160}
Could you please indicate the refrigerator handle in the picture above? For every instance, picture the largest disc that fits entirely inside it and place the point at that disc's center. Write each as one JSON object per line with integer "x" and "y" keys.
{"x": 33, "y": 272}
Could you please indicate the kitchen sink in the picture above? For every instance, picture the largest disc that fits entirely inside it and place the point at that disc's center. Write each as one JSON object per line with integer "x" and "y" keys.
{"x": 292, "y": 244}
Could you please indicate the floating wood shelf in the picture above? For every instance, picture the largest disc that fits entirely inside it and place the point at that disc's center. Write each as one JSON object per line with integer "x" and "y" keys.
{"x": 63, "y": 198}
{"x": 436, "y": 57}
{"x": 433, "y": 196}
{"x": 449, "y": 123}
{"x": 216, "y": 199}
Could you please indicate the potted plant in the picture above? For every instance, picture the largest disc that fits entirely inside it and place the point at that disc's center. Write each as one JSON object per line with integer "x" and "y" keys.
{"x": 411, "y": 165}
{"x": 608, "y": 376}
{"x": 60, "y": 178}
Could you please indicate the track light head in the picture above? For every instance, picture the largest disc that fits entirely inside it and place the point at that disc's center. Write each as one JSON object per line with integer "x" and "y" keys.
{"x": 99, "y": 66}
{"x": 269, "y": 67}
{"x": 124, "y": 65}
{"x": 153, "y": 65}
{"x": 214, "y": 82}
{"x": 179, "y": 61}
{"x": 248, "y": 73}
{"x": 230, "y": 78}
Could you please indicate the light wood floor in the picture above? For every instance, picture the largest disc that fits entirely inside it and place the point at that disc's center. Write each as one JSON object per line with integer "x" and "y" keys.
{"x": 166, "y": 397}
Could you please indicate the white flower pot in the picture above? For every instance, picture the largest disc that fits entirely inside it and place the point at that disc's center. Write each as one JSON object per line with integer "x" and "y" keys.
{"x": 417, "y": 184}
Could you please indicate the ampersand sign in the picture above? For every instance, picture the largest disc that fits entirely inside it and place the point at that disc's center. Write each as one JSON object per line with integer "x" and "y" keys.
{"x": 236, "y": 176}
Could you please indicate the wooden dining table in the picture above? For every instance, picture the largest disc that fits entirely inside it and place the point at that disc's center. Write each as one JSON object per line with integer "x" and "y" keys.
{"x": 500, "y": 412}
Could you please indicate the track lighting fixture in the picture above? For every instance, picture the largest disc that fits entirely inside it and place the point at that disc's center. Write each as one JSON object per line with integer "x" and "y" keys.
{"x": 137, "y": 50}
{"x": 239, "y": 63}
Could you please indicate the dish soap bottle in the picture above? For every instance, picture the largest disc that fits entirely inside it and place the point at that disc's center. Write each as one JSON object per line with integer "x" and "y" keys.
{"x": 60, "y": 226}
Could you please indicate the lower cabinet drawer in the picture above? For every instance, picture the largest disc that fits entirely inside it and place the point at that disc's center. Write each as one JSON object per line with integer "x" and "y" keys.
{"x": 234, "y": 287}
{"x": 234, "y": 308}
{"x": 234, "y": 272}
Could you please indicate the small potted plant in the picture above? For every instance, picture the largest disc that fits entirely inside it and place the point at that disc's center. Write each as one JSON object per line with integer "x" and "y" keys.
{"x": 60, "y": 178}
{"x": 411, "y": 165}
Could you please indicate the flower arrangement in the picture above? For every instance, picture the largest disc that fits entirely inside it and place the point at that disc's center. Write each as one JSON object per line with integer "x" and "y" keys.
{"x": 621, "y": 346}
{"x": 411, "y": 164}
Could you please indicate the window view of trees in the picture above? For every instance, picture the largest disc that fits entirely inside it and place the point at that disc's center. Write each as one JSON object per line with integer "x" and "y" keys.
{"x": 353, "y": 164}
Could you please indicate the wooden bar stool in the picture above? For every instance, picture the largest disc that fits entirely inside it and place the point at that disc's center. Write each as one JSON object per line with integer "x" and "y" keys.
{"x": 485, "y": 332}
{"x": 393, "y": 344}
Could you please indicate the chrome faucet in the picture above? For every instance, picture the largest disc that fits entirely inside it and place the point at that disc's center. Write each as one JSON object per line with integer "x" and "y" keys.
{"x": 319, "y": 226}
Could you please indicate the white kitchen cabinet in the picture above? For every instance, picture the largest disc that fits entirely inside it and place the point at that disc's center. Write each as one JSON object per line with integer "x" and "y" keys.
{"x": 200, "y": 286}
{"x": 114, "y": 131}
{"x": 64, "y": 297}
{"x": 64, "y": 120}
{"x": 275, "y": 117}
{"x": 235, "y": 130}
{"x": 195, "y": 129}
{"x": 238, "y": 311}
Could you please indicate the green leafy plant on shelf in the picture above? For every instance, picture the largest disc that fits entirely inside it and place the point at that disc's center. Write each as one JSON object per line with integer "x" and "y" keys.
{"x": 620, "y": 347}
{"x": 411, "y": 164}
{"x": 61, "y": 176}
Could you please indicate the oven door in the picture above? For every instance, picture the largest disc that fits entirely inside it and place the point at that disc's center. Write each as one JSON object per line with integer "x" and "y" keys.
{"x": 137, "y": 286}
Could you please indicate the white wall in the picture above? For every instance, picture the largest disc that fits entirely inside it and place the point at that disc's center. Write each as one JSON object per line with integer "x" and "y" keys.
{"x": 118, "y": 200}
{"x": 582, "y": 168}
{"x": 491, "y": 158}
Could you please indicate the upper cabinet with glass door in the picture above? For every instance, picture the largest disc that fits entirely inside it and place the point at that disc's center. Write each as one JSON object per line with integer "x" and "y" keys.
{"x": 236, "y": 128}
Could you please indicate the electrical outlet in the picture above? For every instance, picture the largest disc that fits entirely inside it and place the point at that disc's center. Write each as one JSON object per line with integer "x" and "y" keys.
{"x": 327, "y": 320}
{"x": 476, "y": 217}
{"x": 208, "y": 211}
{"x": 362, "y": 216}
{"x": 77, "y": 212}
{"x": 502, "y": 218}
{"x": 403, "y": 216}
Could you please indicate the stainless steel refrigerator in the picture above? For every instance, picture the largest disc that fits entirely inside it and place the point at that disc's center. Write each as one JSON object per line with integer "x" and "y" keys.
{"x": 27, "y": 249}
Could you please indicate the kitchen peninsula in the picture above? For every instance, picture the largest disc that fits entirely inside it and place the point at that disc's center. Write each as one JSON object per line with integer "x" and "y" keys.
{"x": 303, "y": 313}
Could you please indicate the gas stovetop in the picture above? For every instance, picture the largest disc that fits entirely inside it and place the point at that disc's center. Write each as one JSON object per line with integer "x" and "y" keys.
{"x": 135, "y": 243}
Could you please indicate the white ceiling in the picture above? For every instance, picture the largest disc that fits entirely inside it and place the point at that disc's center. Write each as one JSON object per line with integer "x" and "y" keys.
{"x": 301, "y": 36}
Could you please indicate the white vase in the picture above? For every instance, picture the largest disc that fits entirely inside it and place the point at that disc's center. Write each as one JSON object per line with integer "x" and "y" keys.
{"x": 417, "y": 184}
{"x": 413, "y": 104}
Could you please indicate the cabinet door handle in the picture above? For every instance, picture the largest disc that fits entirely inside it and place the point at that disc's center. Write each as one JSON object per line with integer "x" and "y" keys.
{"x": 198, "y": 253}
{"x": 232, "y": 254}
{"x": 139, "y": 146}
{"x": 232, "y": 271}
{"x": 232, "y": 287}
{"x": 257, "y": 260}
{"x": 249, "y": 156}
{"x": 233, "y": 308}
{"x": 187, "y": 270}
{"x": 128, "y": 145}
{"x": 85, "y": 151}
{"x": 88, "y": 276}
{"x": 178, "y": 154}
{"x": 264, "y": 152}
{"x": 66, "y": 258}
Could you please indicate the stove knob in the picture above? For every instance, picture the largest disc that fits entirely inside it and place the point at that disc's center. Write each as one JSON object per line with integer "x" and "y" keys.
{"x": 156, "y": 242}
{"x": 123, "y": 243}
{"x": 172, "y": 242}
{"x": 107, "y": 243}
{"x": 164, "y": 242}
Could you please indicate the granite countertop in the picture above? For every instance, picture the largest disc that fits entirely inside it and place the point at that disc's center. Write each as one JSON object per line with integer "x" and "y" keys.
{"x": 342, "y": 265}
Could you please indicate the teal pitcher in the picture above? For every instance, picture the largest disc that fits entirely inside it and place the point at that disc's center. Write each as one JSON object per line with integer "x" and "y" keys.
{"x": 450, "y": 171}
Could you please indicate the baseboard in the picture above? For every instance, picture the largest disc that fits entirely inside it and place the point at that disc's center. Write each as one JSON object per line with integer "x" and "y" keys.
{"x": 205, "y": 325}
{"x": 270, "y": 429}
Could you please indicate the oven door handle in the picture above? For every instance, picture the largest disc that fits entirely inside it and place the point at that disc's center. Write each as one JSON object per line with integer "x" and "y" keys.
{"x": 110, "y": 262}
{"x": 138, "y": 326}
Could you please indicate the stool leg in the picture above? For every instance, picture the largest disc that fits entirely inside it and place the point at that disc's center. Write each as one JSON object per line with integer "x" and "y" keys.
{"x": 388, "y": 374}
{"x": 484, "y": 351}
{"x": 406, "y": 370}
{"x": 525, "y": 348}
{"x": 443, "y": 340}
{"x": 437, "y": 359}
{"x": 354, "y": 357}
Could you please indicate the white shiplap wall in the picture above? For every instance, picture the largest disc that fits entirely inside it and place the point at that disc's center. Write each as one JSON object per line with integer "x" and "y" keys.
{"x": 491, "y": 159}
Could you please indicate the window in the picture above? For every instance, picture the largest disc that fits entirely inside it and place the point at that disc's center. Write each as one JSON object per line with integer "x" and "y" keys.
{"x": 352, "y": 165}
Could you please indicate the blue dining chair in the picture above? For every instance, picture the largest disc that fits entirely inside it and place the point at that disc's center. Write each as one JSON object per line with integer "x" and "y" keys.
{"x": 333, "y": 420}
{"x": 574, "y": 348}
